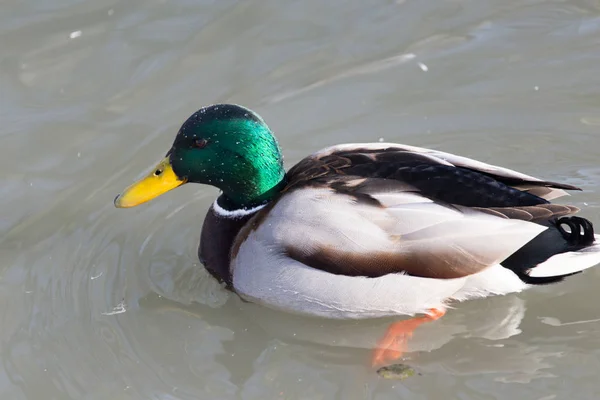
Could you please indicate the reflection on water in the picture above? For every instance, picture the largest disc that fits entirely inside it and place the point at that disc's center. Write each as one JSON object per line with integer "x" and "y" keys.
{"x": 98, "y": 303}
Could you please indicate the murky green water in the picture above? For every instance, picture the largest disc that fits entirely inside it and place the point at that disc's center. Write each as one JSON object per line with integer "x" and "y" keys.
{"x": 100, "y": 303}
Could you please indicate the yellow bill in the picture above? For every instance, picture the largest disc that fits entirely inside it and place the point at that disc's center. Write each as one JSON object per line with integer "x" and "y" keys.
{"x": 159, "y": 181}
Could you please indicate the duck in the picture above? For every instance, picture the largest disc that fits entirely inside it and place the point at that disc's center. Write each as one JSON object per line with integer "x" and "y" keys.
{"x": 366, "y": 230}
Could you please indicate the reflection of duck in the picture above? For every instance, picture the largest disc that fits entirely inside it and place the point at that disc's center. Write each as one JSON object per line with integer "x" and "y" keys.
{"x": 366, "y": 230}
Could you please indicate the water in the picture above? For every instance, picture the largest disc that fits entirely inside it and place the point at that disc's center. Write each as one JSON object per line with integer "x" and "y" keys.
{"x": 100, "y": 303}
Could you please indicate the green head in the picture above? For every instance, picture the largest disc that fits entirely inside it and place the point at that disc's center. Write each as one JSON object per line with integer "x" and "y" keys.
{"x": 223, "y": 145}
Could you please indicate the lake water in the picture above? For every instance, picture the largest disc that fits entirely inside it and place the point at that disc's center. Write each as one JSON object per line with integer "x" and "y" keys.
{"x": 99, "y": 303}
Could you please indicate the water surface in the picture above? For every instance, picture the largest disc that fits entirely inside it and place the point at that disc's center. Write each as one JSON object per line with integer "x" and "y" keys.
{"x": 99, "y": 303}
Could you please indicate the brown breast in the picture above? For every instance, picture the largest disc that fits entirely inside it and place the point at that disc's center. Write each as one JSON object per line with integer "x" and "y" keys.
{"x": 218, "y": 234}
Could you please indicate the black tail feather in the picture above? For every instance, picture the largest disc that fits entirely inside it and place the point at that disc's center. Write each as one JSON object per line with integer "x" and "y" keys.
{"x": 554, "y": 240}
{"x": 581, "y": 231}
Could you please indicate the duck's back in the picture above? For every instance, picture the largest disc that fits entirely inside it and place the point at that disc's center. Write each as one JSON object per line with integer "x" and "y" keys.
{"x": 402, "y": 229}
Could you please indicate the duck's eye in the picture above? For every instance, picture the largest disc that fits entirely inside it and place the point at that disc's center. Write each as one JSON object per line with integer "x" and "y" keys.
{"x": 200, "y": 143}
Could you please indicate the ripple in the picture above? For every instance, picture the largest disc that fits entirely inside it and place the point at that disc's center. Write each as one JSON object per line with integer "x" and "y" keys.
{"x": 102, "y": 303}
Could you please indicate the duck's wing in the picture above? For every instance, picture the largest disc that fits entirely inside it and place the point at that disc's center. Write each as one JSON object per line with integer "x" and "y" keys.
{"x": 381, "y": 160}
{"x": 372, "y": 210}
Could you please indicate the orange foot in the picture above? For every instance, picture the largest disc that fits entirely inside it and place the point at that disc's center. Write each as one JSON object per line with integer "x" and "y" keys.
{"x": 393, "y": 344}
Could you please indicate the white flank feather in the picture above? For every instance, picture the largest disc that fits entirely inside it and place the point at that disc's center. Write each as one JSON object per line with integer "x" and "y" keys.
{"x": 569, "y": 262}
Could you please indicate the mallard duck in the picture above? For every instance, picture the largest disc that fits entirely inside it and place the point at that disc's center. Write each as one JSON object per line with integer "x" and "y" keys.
{"x": 366, "y": 230}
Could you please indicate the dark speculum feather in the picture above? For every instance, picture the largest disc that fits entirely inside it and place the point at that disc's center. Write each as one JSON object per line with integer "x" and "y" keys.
{"x": 519, "y": 182}
{"x": 449, "y": 184}
{"x": 464, "y": 187}
{"x": 430, "y": 177}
